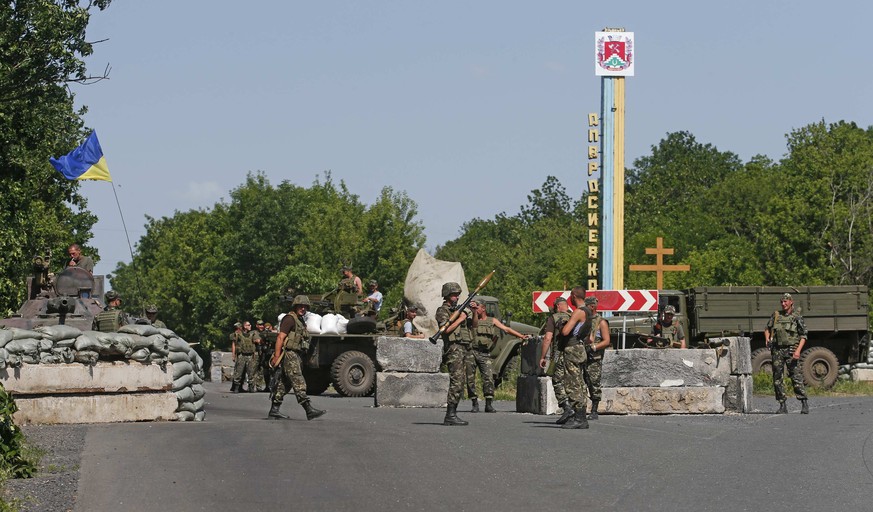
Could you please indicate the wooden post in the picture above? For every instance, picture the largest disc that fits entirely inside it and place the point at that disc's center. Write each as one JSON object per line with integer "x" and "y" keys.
{"x": 659, "y": 251}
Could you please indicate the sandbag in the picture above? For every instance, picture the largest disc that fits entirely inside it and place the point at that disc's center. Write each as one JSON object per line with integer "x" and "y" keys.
{"x": 58, "y": 332}
{"x": 183, "y": 381}
{"x": 195, "y": 359}
{"x": 142, "y": 355}
{"x": 30, "y": 359}
{"x": 49, "y": 358}
{"x": 114, "y": 348}
{"x": 167, "y": 333}
{"x": 328, "y": 324}
{"x": 23, "y": 346}
{"x": 65, "y": 353}
{"x": 342, "y": 324}
{"x": 179, "y": 357}
{"x": 185, "y": 395}
{"x": 313, "y": 323}
{"x": 200, "y": 415}
{"x": 159, "y": 344}
{"x": 87, "y": 342}
{"x": 197, "y": 379}
{"x": 3, "y": 355}
{"x": 5, "y": 336}
{"x": 87, "y": 357}
{"x": 45, "y": 345}
{"x": 139, "y": 329}
{"x": 181, "y": 368}
{"x": 158, "y": 358}
{"x": 178, "y": 345}
{"x": 186, "y": 406}
{"x": 184, "y": 416}
{"x": 198, "y": 391}
{"x": 13, "y": 361}
{"x": 22, "y": 334}
{"x": 66, "y": 342}
{"x": 423, "y": 286}
{"x": 137, "y": 342}
{"x": 198, "y": 405}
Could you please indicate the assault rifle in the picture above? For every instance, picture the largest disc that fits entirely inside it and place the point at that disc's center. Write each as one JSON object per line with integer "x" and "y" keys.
{"x": 459, "y": 309}
{"x": 275, "y": 376}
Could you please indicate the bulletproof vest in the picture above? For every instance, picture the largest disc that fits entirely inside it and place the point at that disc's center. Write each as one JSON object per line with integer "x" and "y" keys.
{"x": 559, "y": 319}
{"x": 347, "y": 284}
{"x": 671, "y": 332}
{"x": 109, "y": 320}
{"x": 785, "y": 329}
{"x": 595, "y": 328}
{"x": 486, "y": 331}
{"x": 298, "y": 338}
{"x": 245, "y": 345}
{"x": 462, "y": 334}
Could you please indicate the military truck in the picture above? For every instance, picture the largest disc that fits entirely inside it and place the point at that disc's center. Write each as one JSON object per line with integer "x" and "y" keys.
{"x": 837, "y": 318}
{"x": 348, "y": 361}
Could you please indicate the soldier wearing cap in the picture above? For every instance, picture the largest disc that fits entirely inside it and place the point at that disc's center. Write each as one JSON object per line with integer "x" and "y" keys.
{"x": 243, "y": 350}
{"x": 597, "y": 343}
{"x": 152, "y": 314}
{"x": 374, "y": 297}
{"x": 668, "y": 330}
{"x": 551, "y": 334}
{"x": 456, "y": 343}
{"x": 409, "y": 328}
{"x": 785, "y": 336}
{"x": 291, "y": 344}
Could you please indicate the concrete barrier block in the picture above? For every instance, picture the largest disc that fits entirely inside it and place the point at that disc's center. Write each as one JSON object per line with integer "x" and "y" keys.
{"x": 222, "y": 358}
{"x": 96, "y": 408}
{"x": 535, "y": 395}
{"x": 657, "y": 400}
{"x": 738, "y": 394}
{"x": 394, "y": 354}
{"x": 740, "y": 353}
{"x": 104, "y": 377}
{"x": 862, "y": 374}
{"x": 640, "y": 367}
{"x": 399, "y": 389}
{"x": 215, "y": 373}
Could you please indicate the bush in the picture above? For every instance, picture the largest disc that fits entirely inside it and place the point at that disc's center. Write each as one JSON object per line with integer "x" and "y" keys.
{"x": 14, "y": 462}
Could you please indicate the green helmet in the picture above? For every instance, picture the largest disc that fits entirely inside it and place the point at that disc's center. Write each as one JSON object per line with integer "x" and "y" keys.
{"x": 300, "y": 300}
{"x": 450, "y": 288}
{"x": 111, "y": 295}
{"x": 151, "y": 308}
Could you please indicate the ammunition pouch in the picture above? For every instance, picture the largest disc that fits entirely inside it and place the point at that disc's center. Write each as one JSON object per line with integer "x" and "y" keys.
{"x": 297, "y": 342}
{"x": 109, "y": 321}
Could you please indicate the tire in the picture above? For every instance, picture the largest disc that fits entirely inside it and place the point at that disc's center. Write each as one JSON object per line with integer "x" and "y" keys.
{"x": 317, "y": 380}
{"x": 361, "y": 325}
{"x": 353, "y": 373}
{"x": 820, "y": 367}
{"x": 762, "y": 361}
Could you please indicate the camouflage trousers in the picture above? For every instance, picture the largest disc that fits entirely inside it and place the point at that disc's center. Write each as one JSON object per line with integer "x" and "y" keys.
{"x": 559, "y": 376}
{"x": 482, "y": 360}
{"x": 244, "y": 369}
{"x": 574, "y": 382}
{"x": 454, "y": 360}
{"x": 592, "y": 373}
{"x": 782, "y": 358}
{"x": 291, "y": 377}
{"x": 262, "y": 371}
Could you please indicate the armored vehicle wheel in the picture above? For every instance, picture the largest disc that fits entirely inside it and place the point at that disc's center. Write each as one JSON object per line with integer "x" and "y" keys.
{"x": 317, "y": 380}
{"x": 353, "y": 373}
{"x": 762, "y": 361}
{"x": 819, "y": 366}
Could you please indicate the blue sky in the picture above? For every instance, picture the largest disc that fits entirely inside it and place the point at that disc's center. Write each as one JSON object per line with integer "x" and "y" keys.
{"x": 466, "y": 106}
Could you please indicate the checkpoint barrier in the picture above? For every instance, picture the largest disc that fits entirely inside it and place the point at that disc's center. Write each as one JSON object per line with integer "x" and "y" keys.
{"x": 409, "y": 373}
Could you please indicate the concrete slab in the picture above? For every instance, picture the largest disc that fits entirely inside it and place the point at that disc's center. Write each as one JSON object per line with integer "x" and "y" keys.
{"x": 740, "y": 353}
{"x": 535, "y": 395}
{"x": 400, "y": 389}
{"x": 738, "y": 394}
{"x": 394, "y": 354}
{"x": 640, "y": 367}
{"x": 699, "y": 400}
{"x": 104, "y": 377}
{"x": 862, "y": 374}
{"x": 96, "y": 408}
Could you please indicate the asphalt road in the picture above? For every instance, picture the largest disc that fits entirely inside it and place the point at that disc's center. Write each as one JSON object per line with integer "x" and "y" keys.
{"x": 361, "y": 458}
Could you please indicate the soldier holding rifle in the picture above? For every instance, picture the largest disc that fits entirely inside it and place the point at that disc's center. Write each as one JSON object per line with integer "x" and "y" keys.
{"x": 575, "y": 331}
{"x": 668, "y": 332}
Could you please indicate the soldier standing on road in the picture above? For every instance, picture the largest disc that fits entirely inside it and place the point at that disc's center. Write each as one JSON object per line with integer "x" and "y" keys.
{"x": 291, "y": 343}
{"x": 456, "y": 343}
{"x": 243, "y": 350}
{"x": 152, "y": 315}
{"x": 597, "y": 343}
{"x": 785, "y": 336}
{"x": 554, "y": 323}
{"x": 575, "y": 331}
{"x": 669, "y": 330}
{"x": 262, "y": 357}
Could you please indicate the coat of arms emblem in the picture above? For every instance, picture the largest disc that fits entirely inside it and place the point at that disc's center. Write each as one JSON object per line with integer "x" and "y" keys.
{"x": 615, "y": 53}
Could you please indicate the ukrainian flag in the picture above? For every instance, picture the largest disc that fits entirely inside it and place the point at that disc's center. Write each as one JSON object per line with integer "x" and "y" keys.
{"x": 86, "y": 162}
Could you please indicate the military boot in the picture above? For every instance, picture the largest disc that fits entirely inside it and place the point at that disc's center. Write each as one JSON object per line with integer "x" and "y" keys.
{"x": 312, "y": 412}
{"x": 804, "y": 407}
{"x": 452, "y": 418}
{"x": 594, "y": 405}
{"x": 579, "y": 420}
{"x": 568, "y": 412}
{"x": 475, "y": 405}
{"x": 783, "y": 409}
{"x": 275, "y": 414}
{"x": 488, "y": 406}
{"x": 234, "y": 388}
{"x": 252, "y": 388}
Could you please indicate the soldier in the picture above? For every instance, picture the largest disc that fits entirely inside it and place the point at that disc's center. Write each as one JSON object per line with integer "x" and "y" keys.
{"x": 597, "y": 343}
{"x": 112, "y": 317}
{"x": 262, "y": 356}
{"x": 456, "y": 343}
{"x": 350, "y": 283}
{"x": 669, "y": 330}
{"x": 785, "y": 335}
{"x": 409, "y": 328}
{"x": 577, "y": 329}
{"x": 374, "y": 297}
{"x": 552, "y": 329}
{"x": 291, "y": 344}
{"x": 480, "y": 355}
{"x": 77, "y": 260}
{"x": 243, "y": 350}
{"x": 152, "y": 314}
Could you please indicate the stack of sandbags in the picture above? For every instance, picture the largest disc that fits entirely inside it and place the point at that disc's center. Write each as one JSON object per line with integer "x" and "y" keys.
{"x": 187, "y": 378}
{"x": 327, "y": 324}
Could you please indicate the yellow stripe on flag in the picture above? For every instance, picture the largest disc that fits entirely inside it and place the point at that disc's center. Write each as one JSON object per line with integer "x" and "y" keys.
{"x": 98, "y": 171}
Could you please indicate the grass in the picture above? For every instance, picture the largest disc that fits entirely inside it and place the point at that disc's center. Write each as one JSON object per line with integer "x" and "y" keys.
{"x": 763, "y": 385}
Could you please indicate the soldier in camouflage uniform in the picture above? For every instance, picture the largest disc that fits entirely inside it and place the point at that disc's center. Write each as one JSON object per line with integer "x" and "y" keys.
{"x": 350, "y": 283}
{"x": 243, "y": 350}
{"x": 112, "y": 317}
{"x": 262, "y": 356}
{"x": 785, "y": 336}
{"x": 552, "y": 332}
{"x": 456, "y": 343}
{"x": 669, "y": 330}
{"x": 596, "y": 344}
{"x": 152, "y": 315}
{"x": 575, "y": 331}
{"x": 291, "y": 344}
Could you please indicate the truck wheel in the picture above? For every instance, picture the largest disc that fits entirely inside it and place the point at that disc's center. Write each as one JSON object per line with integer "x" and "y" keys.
{"x": 819, "y": 367}
{"x": 353, "y": 374}
{"x": 317, "y": 380}
{"x": 762, "y": 361}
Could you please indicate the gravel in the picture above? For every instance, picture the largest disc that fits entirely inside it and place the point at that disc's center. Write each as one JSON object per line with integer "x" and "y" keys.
{"x": 53, "y": 488}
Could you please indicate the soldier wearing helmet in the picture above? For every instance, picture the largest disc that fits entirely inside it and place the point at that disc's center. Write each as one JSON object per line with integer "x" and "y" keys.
{"x": 456, "y": 344}
{"x": 785, "y": 336}
{"x": 112, "y": 317}
{"x": 151, "y": 312}
{"x": 291, "y": 344}
{"x": 668, "y": 330}
{"x": 243, "y": 349}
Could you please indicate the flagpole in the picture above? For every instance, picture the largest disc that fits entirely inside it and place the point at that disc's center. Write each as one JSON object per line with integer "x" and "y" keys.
{"x": 129, "y": 248}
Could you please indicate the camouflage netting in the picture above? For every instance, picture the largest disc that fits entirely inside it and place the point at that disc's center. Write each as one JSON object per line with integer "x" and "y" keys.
{"x": 423, "y": 287}
{"x": 62, "y": 344}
